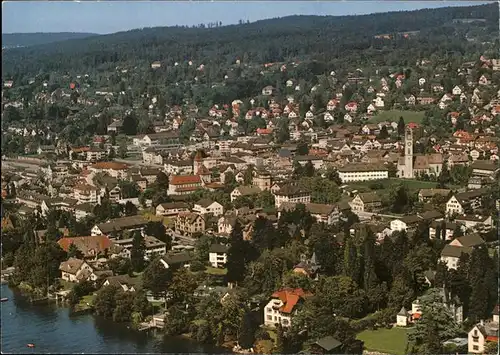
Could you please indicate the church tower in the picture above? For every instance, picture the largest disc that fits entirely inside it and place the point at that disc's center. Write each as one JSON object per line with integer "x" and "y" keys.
{"x": 408, "y": 170}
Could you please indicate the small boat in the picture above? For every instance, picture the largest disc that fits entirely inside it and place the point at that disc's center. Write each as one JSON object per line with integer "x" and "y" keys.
{"x": 30, "y": 345}
{"x": 5, "y": 299}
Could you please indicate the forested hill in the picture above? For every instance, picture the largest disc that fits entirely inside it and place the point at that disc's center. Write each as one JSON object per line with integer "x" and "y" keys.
{"x": 324, "y": 38}
{"x": 10, "y": 40}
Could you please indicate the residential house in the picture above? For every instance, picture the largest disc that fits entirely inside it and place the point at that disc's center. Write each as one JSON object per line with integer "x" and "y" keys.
{"x": 323, "y": 213}
{"x": 188, "y": 223}
{"x": 442, "y": 230}
{"x": 463, "y": 202}
{"x": 244, "y": 191}
{"x": 426, "y": 195}
{"x": 171, "y": 209}
{"x": 76, "y": 270}
{"x": 485, "y": 168}
{"x": 118, "y": 225}
{"x": 184, "y": 184}
{"x": 451, "y": 254}
{"x": 217, "y": 255}
{"x": 366, "y": 202}
{"x": 326, "y": 345}
{"x": 283, "y": 306}
{"x": 308, "y": 267}
{"x": 114, "y": 169}
{"x": 176, "y": 260}
{"x": 291, "y": 193}
{"x": 90, "y": 246}
{"x": 153, "y": 246}
{"x": 481, "y": 334}
{"x": 206, "y": 206}
{"x": 481, "y": 224}
{"x": 405, "y": 223}
{"x": 125, "y": 282}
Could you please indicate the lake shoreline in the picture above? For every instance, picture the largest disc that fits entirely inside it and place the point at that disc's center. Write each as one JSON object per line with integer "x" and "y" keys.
{"x": 48, "y": 324}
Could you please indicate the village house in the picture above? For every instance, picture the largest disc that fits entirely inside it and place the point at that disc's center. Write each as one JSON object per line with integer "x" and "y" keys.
{"x": 178, "y": 167}
{"x": 188, "y": 223}
{"x": 171, "y": 209}
{"x": 244, "y": 191}
{"x": 125, "y": 282}
{"x": 117, "y": 225}
{"x": 206, "y": 206}
{"x": 366, "y": 202}
{"x": 176, "y": 260}
{"x": 283, "y": 306}
{"x": 426, "y": 195}
{"x": 464, "y": 202}
{"x": 76, "y": 270}
{"x": 114, "y": 169}
{"x": 483, "y": 333}
{"x": 308, "y": 267}
{"x": 485, "y": 168}
{"x": 184, "y": 184}
{"x": 153, "y": 246}
{"x": 291, "y": 193}
{"x": 479, "y": 223}
{"x": 443, "y": 230}
{"x": 217, "y": 255}
{"x": 90, "y": 246}
{"x": 323, "y": 213}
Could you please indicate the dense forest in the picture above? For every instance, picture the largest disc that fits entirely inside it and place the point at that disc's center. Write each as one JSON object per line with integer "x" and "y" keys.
{"x": 334, "y": 40}
{"x": 33, "y": 39}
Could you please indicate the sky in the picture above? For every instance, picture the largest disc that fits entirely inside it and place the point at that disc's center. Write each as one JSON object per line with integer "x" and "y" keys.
{"x": 105, "y": 17}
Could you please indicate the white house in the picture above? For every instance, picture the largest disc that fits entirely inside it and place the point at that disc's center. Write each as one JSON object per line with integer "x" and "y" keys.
{"x": 217, "y": 255}
{"x": 283, "y": 306}
{"x": 480, "y": 334}
{"x": 171, "y": 208}
{"x": 456, "y": 90}
{"x": 206, "y": 206}
{"x": 76, "y": 270}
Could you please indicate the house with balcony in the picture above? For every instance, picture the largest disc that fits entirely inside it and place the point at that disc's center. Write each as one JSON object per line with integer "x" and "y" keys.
{"x": 478, "y": 223}
{"x": 464, "y": 202}
{"x": 323, "y": 213}
{"x": 283, "y": 306}
{"x": 366, "y": 202}
{"x": 118, "y": 225}
{"x": 188, "y": 223}
{"x": 206, "y": 206}
{"x": 483, "y": 333}
{"x": 153, "y": 246}
{"x": 217, "y": 255}
{"x": 76, "y": 270}
{"x": 171, "y": 209}
{"x": 291, "y": 193}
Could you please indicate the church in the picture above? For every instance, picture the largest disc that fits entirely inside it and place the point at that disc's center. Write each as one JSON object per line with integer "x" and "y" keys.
{"x": 412, "y": 165}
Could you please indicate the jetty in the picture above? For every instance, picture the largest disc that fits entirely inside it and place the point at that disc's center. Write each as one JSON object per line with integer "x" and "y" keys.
{"x": 156, "y": 323}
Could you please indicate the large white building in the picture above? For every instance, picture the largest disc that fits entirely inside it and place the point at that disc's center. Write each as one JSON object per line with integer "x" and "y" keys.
{"x": 363, "y": 172}
{"x": 291, "y": 193}
{"x": 283, "y": 306}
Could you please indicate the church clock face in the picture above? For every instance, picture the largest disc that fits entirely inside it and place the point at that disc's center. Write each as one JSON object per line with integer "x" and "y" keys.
{"x": 408, "y": 144}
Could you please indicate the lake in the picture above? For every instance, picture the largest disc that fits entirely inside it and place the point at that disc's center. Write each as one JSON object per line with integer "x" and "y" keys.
{"x": 53, "y": 331}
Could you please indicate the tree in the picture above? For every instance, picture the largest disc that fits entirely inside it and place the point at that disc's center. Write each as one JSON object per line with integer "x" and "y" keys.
{"x": 161, "y": 182}
{"x": 156, "y": 278}
{"x": 120, "y": 266}
{"x": 138, "y": 251}
{"x": 436, "y": 320}
{"x": 383, "y": 132}
{"x": 105, "y": 301}
{"x": 308, "y": 169}
{"x": 74, "y": 252}
{"x": 401, "y": 126}
{"x": 158, "y": 230}
{"x": 246, "y": 338}
{"x": 302, "y": 148}
{"x": 130, "y": 209}
{"x": 130, "y": 125}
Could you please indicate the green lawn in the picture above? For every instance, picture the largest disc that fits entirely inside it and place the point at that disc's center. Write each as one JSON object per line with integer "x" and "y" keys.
{"x": 393, "y": 116}
{"x": 215, "y": 271}
{"x": 364, "y": 186}
{"x": 390, "y": 341}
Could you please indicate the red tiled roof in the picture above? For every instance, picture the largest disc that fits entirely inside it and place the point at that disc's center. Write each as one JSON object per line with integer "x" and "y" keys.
{"x": 412, "y": 125}
{"x": 185, "y": 179}
{"x": 98, "y": 243}
{"x": 290, "y": 297}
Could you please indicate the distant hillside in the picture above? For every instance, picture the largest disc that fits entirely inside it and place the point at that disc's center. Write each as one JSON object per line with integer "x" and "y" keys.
{"x": 328, "y": 39}
{"x": 10, "y": 40}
